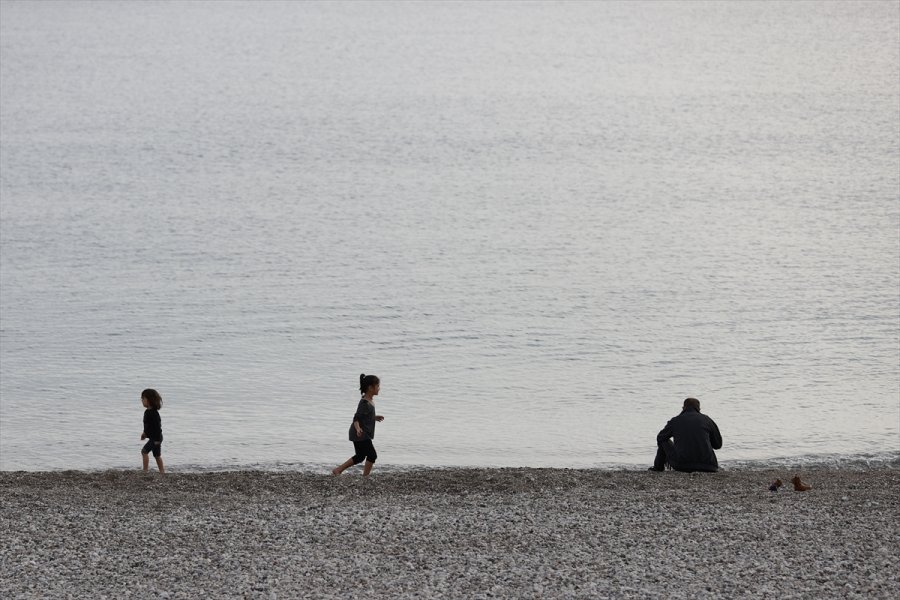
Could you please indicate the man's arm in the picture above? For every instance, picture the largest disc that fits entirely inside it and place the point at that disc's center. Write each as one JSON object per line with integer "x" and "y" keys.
{"x": 665, "y": 434}
{"x": 715, "y": 438}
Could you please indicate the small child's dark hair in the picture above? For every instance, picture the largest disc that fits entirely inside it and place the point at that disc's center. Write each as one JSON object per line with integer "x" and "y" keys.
{"x": 367, "y": 380}
{"x": 153, "y": 398}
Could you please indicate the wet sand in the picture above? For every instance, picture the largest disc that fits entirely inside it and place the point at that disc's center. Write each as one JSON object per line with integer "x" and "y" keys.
{"x": 455, "y": 533}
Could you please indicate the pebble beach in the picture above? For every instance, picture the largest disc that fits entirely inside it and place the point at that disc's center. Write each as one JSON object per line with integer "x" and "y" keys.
{"x": 450, "y": 533}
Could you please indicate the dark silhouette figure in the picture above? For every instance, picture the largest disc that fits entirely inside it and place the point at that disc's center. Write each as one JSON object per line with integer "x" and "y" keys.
{"x": 688, "y": 442}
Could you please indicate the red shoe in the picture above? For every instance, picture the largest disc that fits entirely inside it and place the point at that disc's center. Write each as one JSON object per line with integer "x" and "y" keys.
{"x": 799, "y": 486}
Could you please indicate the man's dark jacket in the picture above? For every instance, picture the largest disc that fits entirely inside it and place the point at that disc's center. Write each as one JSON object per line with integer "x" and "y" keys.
{"x": 696, "y": 436}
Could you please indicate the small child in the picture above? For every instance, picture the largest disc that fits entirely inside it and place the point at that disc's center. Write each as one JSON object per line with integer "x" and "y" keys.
{"x": 152, "y": 401}
{"x": 362, "y": 431}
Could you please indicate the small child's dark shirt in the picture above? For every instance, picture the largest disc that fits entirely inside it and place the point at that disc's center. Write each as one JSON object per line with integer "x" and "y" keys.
{"x": 365, "y": 414}
{"x": 153, "y": 425}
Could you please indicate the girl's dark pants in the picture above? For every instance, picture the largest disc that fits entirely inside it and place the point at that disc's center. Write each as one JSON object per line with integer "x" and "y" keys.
{"x": 151, "y": 446}
{"x": 365, "y": 450}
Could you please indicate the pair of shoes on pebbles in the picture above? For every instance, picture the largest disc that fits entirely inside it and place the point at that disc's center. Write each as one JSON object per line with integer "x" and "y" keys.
{"x": 799, "y": 486}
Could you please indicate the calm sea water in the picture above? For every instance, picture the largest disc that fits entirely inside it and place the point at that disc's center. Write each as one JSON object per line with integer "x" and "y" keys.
{"x": 542, "y": 224}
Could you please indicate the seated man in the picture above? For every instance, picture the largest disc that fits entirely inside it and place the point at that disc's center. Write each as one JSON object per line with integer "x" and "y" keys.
{"x": 696, "y": 438}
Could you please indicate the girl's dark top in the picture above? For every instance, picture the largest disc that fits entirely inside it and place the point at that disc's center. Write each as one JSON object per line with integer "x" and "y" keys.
{"x": 153, "y": 425}
{"x": 365, "y": 414}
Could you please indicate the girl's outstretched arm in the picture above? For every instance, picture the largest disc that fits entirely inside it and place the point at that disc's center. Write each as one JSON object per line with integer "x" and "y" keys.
{"x": 379, "y": 418}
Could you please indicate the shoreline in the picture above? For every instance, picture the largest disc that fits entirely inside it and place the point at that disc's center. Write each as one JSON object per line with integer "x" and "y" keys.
{"x": 849, "y": 462}
{"x": 451, "y": 532}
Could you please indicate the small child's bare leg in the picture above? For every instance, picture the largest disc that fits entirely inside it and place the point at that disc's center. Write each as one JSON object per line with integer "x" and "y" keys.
{"x": 368, "y": 468}
{"x": 145, "y": 458}
{"x": 340, "y": 469}
{"x": 160, "y": 466}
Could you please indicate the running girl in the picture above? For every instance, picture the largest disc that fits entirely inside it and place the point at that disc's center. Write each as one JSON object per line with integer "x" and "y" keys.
{"x": 362, "y": 431}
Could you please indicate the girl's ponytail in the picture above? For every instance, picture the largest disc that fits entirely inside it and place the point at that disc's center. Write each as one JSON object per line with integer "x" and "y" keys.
{"x": 365, "y": 381}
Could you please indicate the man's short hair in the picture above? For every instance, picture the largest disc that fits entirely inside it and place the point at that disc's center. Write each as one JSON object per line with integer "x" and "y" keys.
{"x": 692, "y": 403}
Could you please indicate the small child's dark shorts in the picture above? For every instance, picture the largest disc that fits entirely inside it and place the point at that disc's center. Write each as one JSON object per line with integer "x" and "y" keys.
{"x": 151, "y": 446}
{"x": 365, "y": 450}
